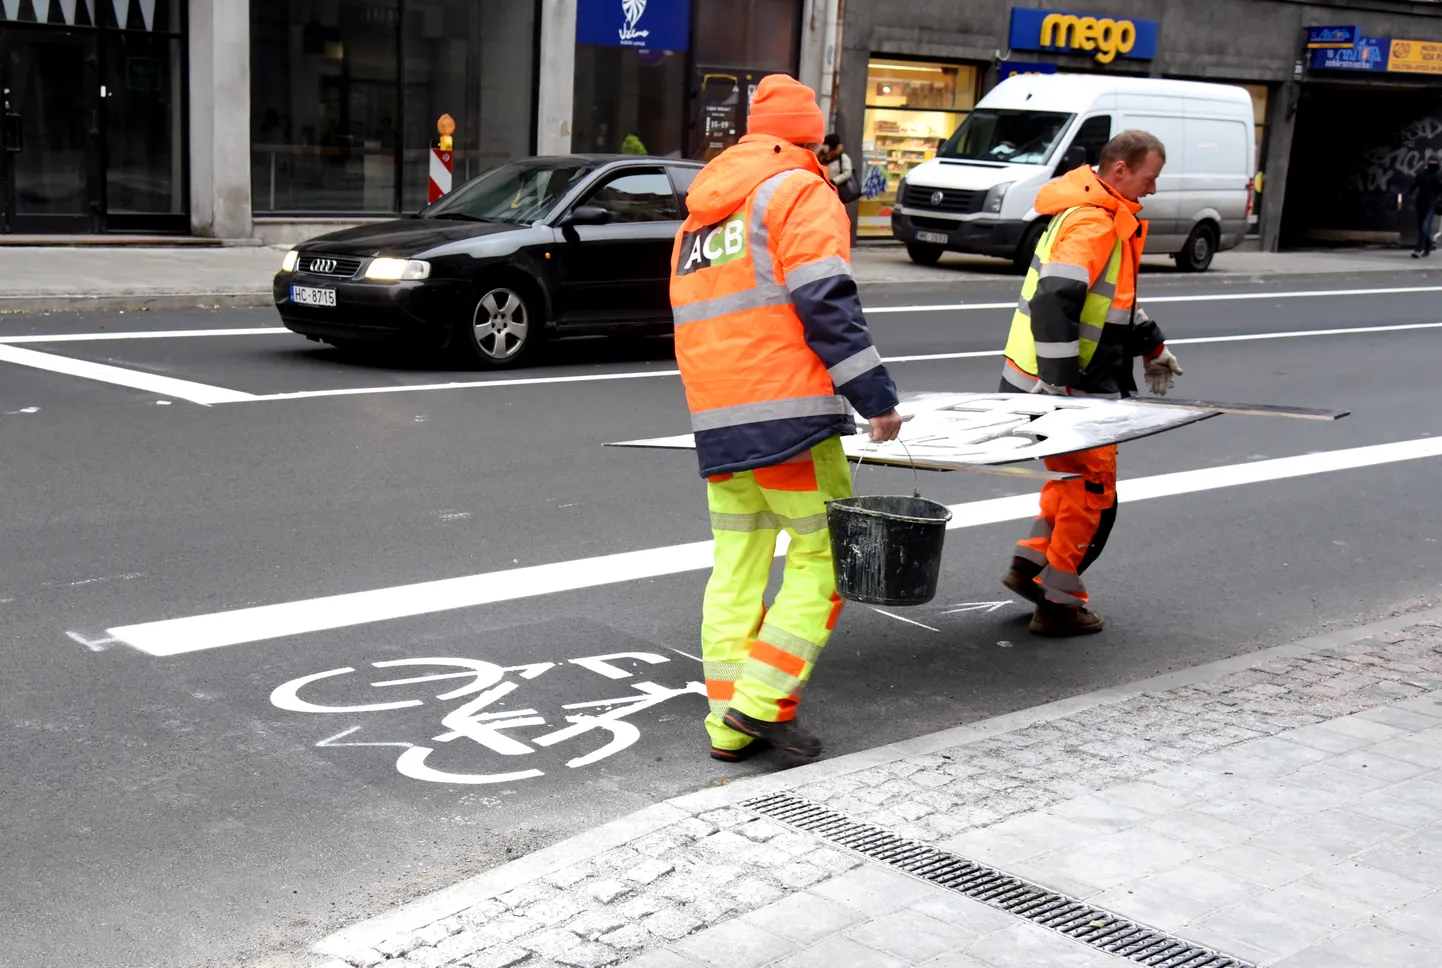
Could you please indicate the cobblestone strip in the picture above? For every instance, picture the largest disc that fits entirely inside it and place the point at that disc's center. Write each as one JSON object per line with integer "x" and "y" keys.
{"x": 709, "y": 868}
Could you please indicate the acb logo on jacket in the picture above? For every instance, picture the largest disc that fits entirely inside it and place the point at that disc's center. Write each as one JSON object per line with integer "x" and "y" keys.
{"x": 714, "y": 245}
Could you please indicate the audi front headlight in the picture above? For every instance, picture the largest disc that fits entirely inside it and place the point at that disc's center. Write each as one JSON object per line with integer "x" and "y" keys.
{"x": 395, "y": 270}
{"x": 290, "y": 260}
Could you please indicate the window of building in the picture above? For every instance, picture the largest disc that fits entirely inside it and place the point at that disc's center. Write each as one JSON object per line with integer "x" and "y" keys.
{"x": 912, "y": 108}
{"x": 345, "y": 95}
{"x": 759, "y": 34}
{"x": 629, "y": 101}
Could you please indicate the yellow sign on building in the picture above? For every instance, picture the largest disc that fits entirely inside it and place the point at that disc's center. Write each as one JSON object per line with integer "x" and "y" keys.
{"x": 1415, "y": 57}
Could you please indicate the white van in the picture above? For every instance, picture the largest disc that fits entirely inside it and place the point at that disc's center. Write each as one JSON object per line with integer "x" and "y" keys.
{"x": 977, "y": 194}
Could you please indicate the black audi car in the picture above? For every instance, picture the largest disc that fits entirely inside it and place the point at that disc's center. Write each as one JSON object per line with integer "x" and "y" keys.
{"x": 564, "y": 246}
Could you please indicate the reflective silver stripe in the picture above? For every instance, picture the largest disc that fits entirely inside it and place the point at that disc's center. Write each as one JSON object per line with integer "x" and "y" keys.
{"x": 748, "y": 413}
{"x": 767, "y": 521}
{"x": 1019, "y": 380}
{"x": 1104, "y": 288}
{"x": 769, "y": 675}
{"x": 1142, "y": 316}
{"x": 1090, "y": 331}
{"x": 1058, "y": 351}
{"x": 854, "y": 366}
{"x": 760, "y": 239}
{"x": 1036, "y": 263}
{"x": 1042, "y": 528}
{"x": 1023, "y": 306}
{"x": 1120, "y": 317}
{"x": 831, "y": 268}
{"x": 1030, "y": 554}
{"x": 723, "y": 671}
{"x": 744, "y": 523}
{"x": 1067, "y": 270}
{"x": 734, "y": 303}
{"x": 789, "y": 643}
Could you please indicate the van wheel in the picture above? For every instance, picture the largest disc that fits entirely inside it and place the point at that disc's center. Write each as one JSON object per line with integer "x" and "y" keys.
{"x": 1030, "y": 239}
{"x": 923, "y": 254}
{"x": 1201, "y": 246}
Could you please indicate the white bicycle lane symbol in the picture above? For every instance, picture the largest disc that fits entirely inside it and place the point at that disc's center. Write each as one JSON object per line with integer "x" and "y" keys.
{"x": 489, "y": 685}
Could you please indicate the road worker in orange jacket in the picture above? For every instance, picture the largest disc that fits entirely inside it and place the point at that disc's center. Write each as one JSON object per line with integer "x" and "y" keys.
{"x": 1076, "y": 331}
{"x": 774, "y": 353}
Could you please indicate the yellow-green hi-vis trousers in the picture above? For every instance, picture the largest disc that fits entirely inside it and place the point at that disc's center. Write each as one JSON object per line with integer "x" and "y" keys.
{"x": 758, "y": 661}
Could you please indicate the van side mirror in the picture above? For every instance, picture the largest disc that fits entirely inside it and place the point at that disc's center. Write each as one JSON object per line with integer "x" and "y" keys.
{"x": 1074, "y": 157}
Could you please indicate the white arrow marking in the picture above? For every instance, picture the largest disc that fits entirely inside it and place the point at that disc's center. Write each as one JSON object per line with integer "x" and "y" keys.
{"x": 906, "y": 620}
{"x": 976, "y": 607}
{"x": 331, "y": 741}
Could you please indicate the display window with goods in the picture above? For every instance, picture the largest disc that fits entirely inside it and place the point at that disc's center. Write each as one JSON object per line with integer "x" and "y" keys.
{"x": 912, "y": 107}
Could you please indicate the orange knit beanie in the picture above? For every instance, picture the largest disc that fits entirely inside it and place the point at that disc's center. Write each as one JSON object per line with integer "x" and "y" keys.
{"x": 786, "y": 108}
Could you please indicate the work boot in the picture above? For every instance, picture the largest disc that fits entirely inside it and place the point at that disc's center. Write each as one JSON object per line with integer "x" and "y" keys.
{"x": 788, "y": 737}
{"x": 1063, "y": 621}
{"x": 740, "y": 755}
{"x": 1022, "y": 580}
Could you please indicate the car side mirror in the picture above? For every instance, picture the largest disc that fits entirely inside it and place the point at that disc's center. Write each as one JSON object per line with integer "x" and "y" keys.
{"x": 587, "y": 215}
{"x": 1074, "y": 157}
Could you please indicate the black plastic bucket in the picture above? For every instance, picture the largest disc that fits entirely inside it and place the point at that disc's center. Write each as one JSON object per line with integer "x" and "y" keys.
{"x": 887, "y": 549}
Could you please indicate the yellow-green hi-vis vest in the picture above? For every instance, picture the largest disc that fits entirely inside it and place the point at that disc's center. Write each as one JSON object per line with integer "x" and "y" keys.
{"x": 1021, "y": 344}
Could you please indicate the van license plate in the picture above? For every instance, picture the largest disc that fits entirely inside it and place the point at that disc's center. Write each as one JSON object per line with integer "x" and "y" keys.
{"x": 940, "y": 238}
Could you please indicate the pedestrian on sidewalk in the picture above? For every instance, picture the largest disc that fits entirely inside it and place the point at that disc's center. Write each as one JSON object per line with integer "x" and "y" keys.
{"x": 772, "y": 345}
{"x": 843, "y": 175}
{"x": 1426, "y": 190}
{"x": 1076, "y": 332}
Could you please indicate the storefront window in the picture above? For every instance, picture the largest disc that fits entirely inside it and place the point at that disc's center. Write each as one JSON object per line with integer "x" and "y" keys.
{"x": 629, "y": 100}
{"x": 142, "y": 91}
{"x": 346, "y": 94}
{"x": 911, "y": 110}
{"x": 759, "y": 34}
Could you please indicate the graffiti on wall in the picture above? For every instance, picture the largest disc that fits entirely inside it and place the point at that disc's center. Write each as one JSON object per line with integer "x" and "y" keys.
{"x": 1391, "y": 168}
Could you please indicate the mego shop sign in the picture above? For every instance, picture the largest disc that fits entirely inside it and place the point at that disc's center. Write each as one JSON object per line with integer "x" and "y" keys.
{"x": 1107, "y": 38}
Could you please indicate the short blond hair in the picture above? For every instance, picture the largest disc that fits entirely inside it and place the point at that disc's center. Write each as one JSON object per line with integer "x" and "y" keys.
{"x": 1132, "y": 146}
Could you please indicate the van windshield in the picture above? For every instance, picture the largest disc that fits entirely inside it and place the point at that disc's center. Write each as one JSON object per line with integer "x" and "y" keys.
{"x": 1014, "y": 137}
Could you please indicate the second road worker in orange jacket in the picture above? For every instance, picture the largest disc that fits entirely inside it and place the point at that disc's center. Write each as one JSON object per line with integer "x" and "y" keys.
{"x": 1076, "y": 332}
{"x": 774, "y": 353}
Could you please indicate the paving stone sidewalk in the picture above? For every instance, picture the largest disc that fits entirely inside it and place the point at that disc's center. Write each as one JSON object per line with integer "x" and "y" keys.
{"x": 1281, "y": 810}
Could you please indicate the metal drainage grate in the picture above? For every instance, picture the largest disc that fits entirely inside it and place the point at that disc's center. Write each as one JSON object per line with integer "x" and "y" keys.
{"x": 1078, "y": 921}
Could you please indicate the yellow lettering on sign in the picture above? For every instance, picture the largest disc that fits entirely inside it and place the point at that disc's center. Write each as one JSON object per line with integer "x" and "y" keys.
{"x": 1106, "y": 36}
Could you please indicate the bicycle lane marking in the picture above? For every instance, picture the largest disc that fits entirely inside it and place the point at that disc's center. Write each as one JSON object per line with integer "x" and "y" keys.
{"x": 215, "y": 630}
{"x": 500, "y": 734}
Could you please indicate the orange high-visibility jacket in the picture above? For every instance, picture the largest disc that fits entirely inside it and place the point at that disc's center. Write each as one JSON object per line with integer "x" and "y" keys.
{"x": 1077, "y": 265}
{"x": 770, "y": 336}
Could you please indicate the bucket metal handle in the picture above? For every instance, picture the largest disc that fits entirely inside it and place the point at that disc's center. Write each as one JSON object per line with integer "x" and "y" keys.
{"x": 915, "y": 477}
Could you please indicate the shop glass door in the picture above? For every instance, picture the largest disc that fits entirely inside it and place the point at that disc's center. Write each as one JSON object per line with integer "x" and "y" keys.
{"x": 50, "y": 162}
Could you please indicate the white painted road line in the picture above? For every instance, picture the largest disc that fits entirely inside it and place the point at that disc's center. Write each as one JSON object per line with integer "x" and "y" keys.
{"x": 163, "y": 385}
{"x": 156, "y": 334}
{"x": 1203, "y": 297}
{"x": 216, "y": 630}
{"x": 646, "y": 374}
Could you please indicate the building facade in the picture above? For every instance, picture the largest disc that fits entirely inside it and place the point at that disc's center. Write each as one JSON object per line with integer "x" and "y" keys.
{"x": 282, "y": 118}
{"x": 1341, "y": 129}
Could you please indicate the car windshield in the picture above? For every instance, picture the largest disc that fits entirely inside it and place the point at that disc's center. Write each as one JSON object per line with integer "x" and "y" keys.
{"x": 1015, "y": 137}
{"x": 520, "y": 192}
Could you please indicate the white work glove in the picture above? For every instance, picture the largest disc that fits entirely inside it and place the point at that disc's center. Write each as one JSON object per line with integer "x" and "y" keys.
{"x": 1161, "y": 373}
{"x": 1049, "y": 389}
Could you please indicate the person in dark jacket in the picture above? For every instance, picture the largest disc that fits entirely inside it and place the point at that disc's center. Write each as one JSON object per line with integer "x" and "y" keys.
{"x": 1428, "y": 190}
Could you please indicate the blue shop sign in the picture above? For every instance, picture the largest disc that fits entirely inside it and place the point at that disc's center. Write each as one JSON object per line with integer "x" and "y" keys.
{"x": 1369, "y": 54}
{"x": 648, "y": 24}
{"x": 1319, "y": 38}
{"x": 1077, "y": 33}
{"x": 1013, "y": 68}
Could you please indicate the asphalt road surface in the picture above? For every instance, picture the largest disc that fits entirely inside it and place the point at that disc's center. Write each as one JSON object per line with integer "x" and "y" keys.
{"x": 228, "y": 789}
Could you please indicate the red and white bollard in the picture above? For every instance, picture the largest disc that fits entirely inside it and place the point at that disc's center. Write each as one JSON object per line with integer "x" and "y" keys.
{"x": 440, "y": 173}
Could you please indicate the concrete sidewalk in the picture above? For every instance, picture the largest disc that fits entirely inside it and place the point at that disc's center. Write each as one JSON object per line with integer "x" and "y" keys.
{"x": 39, "y": 279}
{"x": 1283, "y": 808}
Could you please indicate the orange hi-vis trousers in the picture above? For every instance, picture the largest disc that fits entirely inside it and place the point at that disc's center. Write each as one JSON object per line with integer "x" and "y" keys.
{"x": 1075, "y": 521}
{"x": 758, "y": 661}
